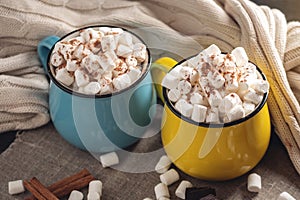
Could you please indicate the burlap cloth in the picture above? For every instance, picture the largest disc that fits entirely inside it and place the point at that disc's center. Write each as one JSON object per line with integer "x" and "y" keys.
{"x": 44, "y": 154}
{"x": 168, "y": 27}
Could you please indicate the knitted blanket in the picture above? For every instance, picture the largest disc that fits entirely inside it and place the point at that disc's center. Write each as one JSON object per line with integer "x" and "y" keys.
{"x": 170, "y": 26}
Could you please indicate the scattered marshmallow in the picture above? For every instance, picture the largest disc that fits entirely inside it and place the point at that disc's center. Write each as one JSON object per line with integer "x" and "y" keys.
{"x": 161, "y": 190}
{"x": 285, "y": 196}
{"x": 180, "y": 191}
{"x": 15, "y": 187}
{"x": 109, "y": 159}
{"x": 93, "y": 196}
{"x": 95, "y": 186}
{"x": 64, "y": 76}
{"x": 163, "y": 164}
{"x": 169, "y": 177}
{"x": 254, "y": 182}
{"x": 75, "y": 195}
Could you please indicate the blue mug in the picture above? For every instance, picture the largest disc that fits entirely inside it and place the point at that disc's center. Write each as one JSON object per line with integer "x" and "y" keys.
{"x": 99, "y": 123}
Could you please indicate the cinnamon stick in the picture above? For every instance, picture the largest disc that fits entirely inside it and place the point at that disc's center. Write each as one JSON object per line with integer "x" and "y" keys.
{"x": 76, "y": 185}
{"x": 68, "y": 180}
{"x": 33, "y": 191}
{"x": 42, "y": 189}
{"x": 65, "y": 181}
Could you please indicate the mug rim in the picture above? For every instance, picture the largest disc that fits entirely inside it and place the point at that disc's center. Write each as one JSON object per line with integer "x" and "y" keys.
{"x": 215, "y": 125}
{"x": 72, "y": 92}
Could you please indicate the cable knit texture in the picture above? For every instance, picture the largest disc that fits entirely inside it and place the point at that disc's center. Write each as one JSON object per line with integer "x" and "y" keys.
{"x": 169, "y": 26}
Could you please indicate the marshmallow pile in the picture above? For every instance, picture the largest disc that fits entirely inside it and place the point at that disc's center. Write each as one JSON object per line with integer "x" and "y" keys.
{"x": 213, "y": 87}
{"x": 99, "y": 60}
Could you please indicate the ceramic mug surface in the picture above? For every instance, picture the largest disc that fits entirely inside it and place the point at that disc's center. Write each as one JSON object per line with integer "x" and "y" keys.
{"x": 214, "y": 151}
{"x": 99, "y": 123}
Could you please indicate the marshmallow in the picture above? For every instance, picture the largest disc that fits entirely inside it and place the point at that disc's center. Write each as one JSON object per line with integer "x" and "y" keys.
{"x": 15, "y": 187}
{"x": 104, "y": 29}
{"x": 180, "y": 191}
{"x": 90, "y": 33}
{"x": 170, "y": 81}
{"x": 184, "y": 86}
{"x": 147, "y": 198}
{"x": 231, "y": 82}
{"x": 212, "y": 115}
{"x": 185, "y": 72}
{"x": 285, "y": 196}
{"x": 108, "y": 43}
{"x": 164, "y": 198}
{"x": 212, "y": 51}
{"x": 240, "y": 55}
{"x": 253, "y": 97}
{"x": 197, "y": 98}
{"x": 169, "y": 177}
{"x": 72, "y": 65}
{"x": 248, "y": 107}
{"x": 107, "y": 61}
{"x": 214, "y": 98}
{"x": 139, "y": 51}
{"x": 131, "y": 61}
{"x": 91, "y": 63}
{"x": 95, "y": 186}
{"x": 163, "y": 164}
{"x": 260, "y": 85}
{"x": 62, "y": 75}
{"x": 93, "y": 196}
{"x": 95, "y": 45}
{"x": 75, "y": 195}
{"x": 76, "y": 41}
{"x": 124, "y": 51}
{"x": 176, "y": 71}
{"x": 80, "y": 52}
{"x": 57, "y": 59}
{"x": 237, "y": 112}
{"x": 126, "y": 39}
{"x": 161, "y": 190}
{"x": 184, "y": 107}
{"x": 199, "y": 113}
{"x": 218, "y": 60}
{"x": 174, "y": 95}
{"x": 121, "y": 82}
{"x": 115, "y": 31}
{"x": 109, "y": 159}
{"x": 229, "y": 101}
{"x": 194, "y": 61}
{"x": 121, "y": 68}
{"x": 106, "y": 89}
{"x": 134, "y": 73}
{"x": 254, "y": 183}
{"x": 216, "y": 79}
{"x": 92, "y": 88}
{"x": 81, "y": 78}
{"x": 194, "y": 77}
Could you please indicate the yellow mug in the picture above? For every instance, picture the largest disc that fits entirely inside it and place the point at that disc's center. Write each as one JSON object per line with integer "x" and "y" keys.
{"x": 212, "y": 152}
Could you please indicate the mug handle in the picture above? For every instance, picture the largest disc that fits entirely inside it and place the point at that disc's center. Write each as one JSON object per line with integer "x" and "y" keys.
{"x": 158, "y": 71}
{"x": 44, "y": 47}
